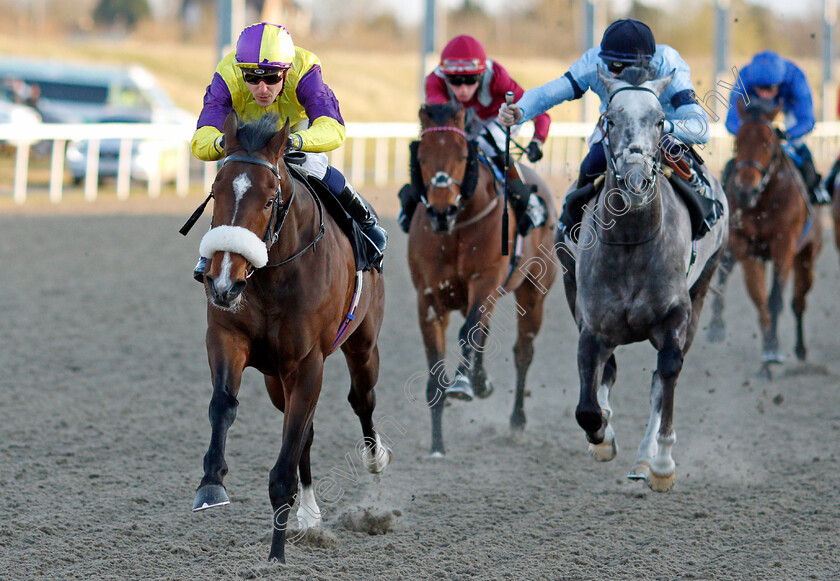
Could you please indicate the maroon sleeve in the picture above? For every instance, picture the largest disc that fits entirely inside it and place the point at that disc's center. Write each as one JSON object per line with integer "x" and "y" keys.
{"x": 502, "y": 83}
{"x": 436, "y": 91}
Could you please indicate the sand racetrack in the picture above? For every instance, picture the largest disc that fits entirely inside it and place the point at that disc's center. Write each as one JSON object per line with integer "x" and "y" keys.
{"x": 104, "y": 397}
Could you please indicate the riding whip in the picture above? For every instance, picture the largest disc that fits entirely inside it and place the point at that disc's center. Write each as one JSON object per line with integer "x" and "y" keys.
{"x": 508, "y": 100}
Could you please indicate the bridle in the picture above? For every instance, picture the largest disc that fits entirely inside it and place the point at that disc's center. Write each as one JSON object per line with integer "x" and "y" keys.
{"x": 279, "y": 211}
{"x": 611, "y": 159}
{"x": 442, "y": 180}
{"x": 766, "y": 172}
{"x": 612, "y": 156}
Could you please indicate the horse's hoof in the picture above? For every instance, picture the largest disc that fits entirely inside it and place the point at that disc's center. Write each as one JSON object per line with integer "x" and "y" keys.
{"x": 210, "y": 496}
{"x": 603, "y": 452}
{"x": 640, "y": 471}
{"x": 772, "y": 357}
{"x": 606, "y": 450}
{"x": 659, "y": 483}
{"x": 801, "y": 353}
{"x": 717, "y": 334}
{"x": 461, "y": 388}
{"x": 436, "y": 455}
{"x": 378, "y": 462}
{"x": 517, "y": 422}
{"x": 485, "y": 391}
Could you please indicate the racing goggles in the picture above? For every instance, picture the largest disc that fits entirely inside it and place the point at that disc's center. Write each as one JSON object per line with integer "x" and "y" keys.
{"x": 458, "y": 80}
{"x": 254, "y": 76}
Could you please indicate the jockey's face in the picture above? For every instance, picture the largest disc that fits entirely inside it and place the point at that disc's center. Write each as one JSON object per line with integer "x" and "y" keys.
{"x": 265, "y": 94}
{"x": 767, "y": 92}
{"x": 463, "y": 86}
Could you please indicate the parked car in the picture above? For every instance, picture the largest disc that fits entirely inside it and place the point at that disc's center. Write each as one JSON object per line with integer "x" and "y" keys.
{"x": 66, "y": 92}
{"x": 148, "y": 157}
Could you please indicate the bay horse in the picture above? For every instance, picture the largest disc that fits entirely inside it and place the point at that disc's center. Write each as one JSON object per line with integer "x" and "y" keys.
{"x": 283, "y": 293}
{"x": 455, "y": 259}
{"x": 632, "y": 274}
{"x": 770, "y": 221}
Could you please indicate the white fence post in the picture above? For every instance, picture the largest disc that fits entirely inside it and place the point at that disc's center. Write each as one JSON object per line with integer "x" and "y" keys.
{"x": 57, "y": 170}
{"x": 21, "y": 171}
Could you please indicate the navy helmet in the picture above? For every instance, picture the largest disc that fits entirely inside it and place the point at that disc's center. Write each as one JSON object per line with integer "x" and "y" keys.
{"x": 627, "y": 41}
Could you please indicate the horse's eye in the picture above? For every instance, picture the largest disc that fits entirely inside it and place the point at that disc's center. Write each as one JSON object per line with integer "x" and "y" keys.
{"x": 269, "y": 203}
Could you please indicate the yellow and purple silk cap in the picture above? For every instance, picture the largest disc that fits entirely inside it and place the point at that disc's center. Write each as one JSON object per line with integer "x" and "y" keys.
{"x": 265, "y": 46}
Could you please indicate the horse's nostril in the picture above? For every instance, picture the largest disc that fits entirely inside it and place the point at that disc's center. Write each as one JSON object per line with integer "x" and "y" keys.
{"x": 236, "y": 289}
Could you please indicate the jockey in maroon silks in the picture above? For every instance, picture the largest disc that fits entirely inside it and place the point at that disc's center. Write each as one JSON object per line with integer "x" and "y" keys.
{"x": 466, "y": 75}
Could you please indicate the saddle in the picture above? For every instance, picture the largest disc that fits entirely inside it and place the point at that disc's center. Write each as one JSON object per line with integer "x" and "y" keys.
{"x": 362, "y": 254}
{"x": 702, "y": 211}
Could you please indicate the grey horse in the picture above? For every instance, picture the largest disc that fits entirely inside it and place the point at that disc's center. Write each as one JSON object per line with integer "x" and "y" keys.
{"x": 632, "y": 274}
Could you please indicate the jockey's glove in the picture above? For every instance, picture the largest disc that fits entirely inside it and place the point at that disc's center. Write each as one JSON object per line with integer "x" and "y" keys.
{"x": 509, "y": 114}
{"x": 781, "y": 133}
{"x": 534, "y": 150}
{"x": 294, "y": 142}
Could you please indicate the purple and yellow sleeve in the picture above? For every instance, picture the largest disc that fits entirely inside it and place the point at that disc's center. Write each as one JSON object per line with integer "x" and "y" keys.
{"x": 326, "y": 131}
{"x": 217, "y": 104}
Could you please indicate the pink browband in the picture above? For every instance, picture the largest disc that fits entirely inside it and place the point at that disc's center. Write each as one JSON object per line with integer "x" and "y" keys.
{"x": 460, "y": 132}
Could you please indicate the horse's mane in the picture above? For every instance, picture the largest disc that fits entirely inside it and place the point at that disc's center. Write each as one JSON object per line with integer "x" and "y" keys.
{"x": 759, "y": 108}
{"x": 637, "y": 74}
{"x": 255, "y": 135}
{"x": 440, "y": 113}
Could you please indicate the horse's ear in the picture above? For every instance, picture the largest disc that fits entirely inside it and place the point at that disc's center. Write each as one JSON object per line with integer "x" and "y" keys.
{"x": 277, "y": 145}
{"x": 660, "y": 84}
{"x": 231, "y": 129}
{"x": 460, "y": 118}
{"x": 606, "y": 77}
{"x": 424, "y": 116}
{"x": 775, "y": 111}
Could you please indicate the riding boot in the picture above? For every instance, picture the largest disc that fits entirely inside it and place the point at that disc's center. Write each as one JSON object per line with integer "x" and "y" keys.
{"x": 832, "y": 182}
{"x": 528, "y": 208}
{"x": 813, "y": 180}
{"x": 358, "y": 209}
{"x": 408, "y": 201}
{"x": 572, "y": 212}
{"x": 200, "y": 266}
{"x": 198, "y": 271}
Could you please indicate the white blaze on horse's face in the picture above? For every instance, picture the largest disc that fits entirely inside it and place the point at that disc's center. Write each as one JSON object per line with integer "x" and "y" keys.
{"x": 241, "y": 185}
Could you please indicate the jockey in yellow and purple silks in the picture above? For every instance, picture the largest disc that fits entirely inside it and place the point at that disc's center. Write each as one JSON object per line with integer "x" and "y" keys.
{"x": 268, "y": 74}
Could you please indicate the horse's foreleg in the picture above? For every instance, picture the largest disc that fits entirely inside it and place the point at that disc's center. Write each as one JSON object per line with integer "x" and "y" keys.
{"x": 302, "y": 391}
{"x": 471, "y": 377}
{"x": 754, "y": 277}
{"x": 362, "y": 354}
{"x": 803, "y": 280}
{"x": 227, "y": 360}
{"x": 648, "y": 446}
{"x": 668, "y": 366}
{"x": 433, "y": 327}
{"x": 717, "y": 326}
{"x": 592, "y": 355}
{"x": 308, "y": 514}
{"x": 531, "y": 300}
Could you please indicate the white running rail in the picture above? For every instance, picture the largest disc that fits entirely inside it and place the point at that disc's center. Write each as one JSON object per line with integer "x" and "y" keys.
{"x": 373, "y": 154}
